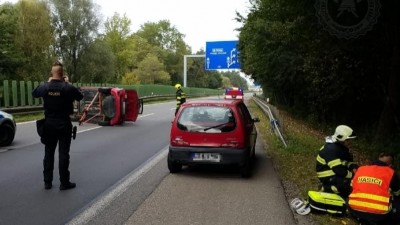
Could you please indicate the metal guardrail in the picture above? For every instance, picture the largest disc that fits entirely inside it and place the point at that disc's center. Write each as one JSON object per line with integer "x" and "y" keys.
{"x": 39, "y": 108}
{"x": 274, "y": 122}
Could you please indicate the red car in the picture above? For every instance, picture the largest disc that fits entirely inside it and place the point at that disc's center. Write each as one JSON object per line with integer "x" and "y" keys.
{"x": 213, "y": 132}
{"x": 108, "y": 106}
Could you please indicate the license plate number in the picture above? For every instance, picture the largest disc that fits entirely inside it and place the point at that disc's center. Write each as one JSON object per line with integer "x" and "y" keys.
{"x": 210, "y": 157}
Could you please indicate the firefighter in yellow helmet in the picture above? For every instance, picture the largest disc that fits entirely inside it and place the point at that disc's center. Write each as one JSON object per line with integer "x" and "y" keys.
{"x": 335, "y": 167}
{"x": 180, "y": 97}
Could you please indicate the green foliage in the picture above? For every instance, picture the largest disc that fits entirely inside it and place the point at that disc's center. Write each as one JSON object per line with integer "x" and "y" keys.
{"x": 318, "y": 76}
{"x": 97, "y": 63}
{"x": 10, "y": 58}
{"x": 33, "y": 39}
{"x": 169, "y": 45}
{"x": 75, "y": 24}
{"x": 235, "y": 79}
{"x": 117, "y": 36}
{"x": 130, "y": 79}
{"x": 152, "y": 71}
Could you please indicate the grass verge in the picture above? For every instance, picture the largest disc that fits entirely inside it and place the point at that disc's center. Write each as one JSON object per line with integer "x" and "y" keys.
{"x": 296, "y": 163}
{"x": 28, "y": 117}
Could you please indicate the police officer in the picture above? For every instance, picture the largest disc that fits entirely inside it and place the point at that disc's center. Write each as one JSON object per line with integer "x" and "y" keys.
{"x": 375, "y": 194}
{"x": 180, "y": 97}
{"x": 58, "y": 96}
{"x": 335, "y": 166}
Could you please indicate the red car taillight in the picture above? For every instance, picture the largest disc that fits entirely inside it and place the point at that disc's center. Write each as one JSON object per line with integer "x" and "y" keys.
{"x": 178, "y": 141}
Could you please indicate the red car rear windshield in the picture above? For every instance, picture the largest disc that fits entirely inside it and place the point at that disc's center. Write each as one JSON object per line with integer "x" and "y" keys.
{"x": 207, "y": 119}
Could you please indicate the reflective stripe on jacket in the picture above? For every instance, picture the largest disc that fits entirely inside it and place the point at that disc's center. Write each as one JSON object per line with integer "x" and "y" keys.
{"x": 371, "y": 189}
{"x": 180, "y": 97}
{"x": 334, "y": 159}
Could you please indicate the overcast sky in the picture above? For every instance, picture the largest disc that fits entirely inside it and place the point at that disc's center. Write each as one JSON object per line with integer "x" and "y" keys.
{"x": 199, "y": 20}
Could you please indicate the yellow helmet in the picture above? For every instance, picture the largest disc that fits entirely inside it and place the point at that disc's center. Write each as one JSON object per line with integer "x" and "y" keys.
{"x": 343, "y": 133}
{"x": 177, "y": 86}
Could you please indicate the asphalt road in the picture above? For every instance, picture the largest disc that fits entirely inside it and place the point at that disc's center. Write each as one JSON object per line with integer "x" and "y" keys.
{"x": 100, "y": 158}
{"x": 122, "y": 178}
{"x": 216, "y": 195}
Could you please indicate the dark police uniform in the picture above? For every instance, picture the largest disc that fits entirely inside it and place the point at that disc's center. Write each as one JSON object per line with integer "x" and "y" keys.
{"x": 58, "y": 96}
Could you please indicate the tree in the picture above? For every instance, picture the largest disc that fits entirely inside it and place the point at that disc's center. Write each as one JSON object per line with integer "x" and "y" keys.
{"x": 320, "y": 76}
{"x": 97, "y": 63}
{"x": 235, "y": 79}
{"x": 75, "y": 25}
{"x": 167, "y": 38}
{"x": 10, "y": 58}
{"x": 152, "y": 71}
{"x": 117, "y": 35}
{"x": 226, "y": 82}
{"x": 141, "y": 48}
{"x": 33, "y": 38}
{"x": 130, "y": 79}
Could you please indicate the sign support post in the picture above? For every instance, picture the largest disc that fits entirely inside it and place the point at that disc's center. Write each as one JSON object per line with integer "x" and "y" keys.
{"x": 185, "y": 66}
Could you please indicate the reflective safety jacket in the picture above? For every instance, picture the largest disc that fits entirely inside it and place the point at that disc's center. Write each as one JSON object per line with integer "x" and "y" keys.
{"x": 180, "y": 97}
{"x": 334, "y": 159}
{"x": 371, "y": 189}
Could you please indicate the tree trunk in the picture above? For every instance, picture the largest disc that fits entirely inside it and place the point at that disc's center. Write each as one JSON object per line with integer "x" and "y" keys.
{"x": 389, "y": 123}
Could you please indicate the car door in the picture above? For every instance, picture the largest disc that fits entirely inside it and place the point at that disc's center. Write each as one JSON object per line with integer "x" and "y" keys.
{"x": 134, "y": 105}
{"x": 250, "y": 130}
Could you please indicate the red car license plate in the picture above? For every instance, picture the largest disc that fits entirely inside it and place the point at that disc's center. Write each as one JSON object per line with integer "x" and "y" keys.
{"x": 212, "y": 157}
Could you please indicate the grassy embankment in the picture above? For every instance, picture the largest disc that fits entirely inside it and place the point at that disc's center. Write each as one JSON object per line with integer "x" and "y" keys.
{"x": 296, "y": 163}
{"x": 28, "y": 117}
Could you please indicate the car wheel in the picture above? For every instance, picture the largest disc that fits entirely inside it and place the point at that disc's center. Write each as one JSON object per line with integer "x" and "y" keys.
{"x": 7, "y": 134}
{"x": 245, "y": 169}
{"x": 104, "y": 90}
{"x": 173, "y": 166}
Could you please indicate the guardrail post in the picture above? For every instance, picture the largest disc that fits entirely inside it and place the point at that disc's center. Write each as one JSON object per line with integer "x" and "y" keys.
{"x": 29, "y": 90}
{"x": 35, "y": 84}
{"x": 22, "y": 92}
{"x": 6, "y": 94}
{"x": 14, "y": 93}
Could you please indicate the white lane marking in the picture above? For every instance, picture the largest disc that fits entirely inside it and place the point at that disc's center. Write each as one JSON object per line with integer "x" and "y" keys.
{"x": 21, "y": 123}
{"x": 103, "y": 201}
{"x": 150, "y": 114}
{"x": 89, "y": 129}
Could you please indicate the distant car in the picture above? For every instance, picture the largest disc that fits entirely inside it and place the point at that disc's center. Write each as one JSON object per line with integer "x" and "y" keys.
{"x": 234, "y": 93}
{"x": 213, "y": 132}
{"x": 8, "y": 128}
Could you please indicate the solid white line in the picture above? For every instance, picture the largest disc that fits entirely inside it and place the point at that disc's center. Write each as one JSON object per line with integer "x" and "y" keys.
{"x": 150, "y": 114}
{"x": 26, "y": 122}
{"x": 99, "y": 205}
{"x": 93, "y": 128}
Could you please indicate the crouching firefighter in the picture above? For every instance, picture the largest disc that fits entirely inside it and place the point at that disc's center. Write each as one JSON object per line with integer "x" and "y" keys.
{"x": 180, "y": 97}
{"x": 58, "y": 97}
{"x": 375, "y": 194}
{"x": 335, "y": 166}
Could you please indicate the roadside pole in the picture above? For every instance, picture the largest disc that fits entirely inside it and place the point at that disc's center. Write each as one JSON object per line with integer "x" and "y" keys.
{"x": 185, "y": 66}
